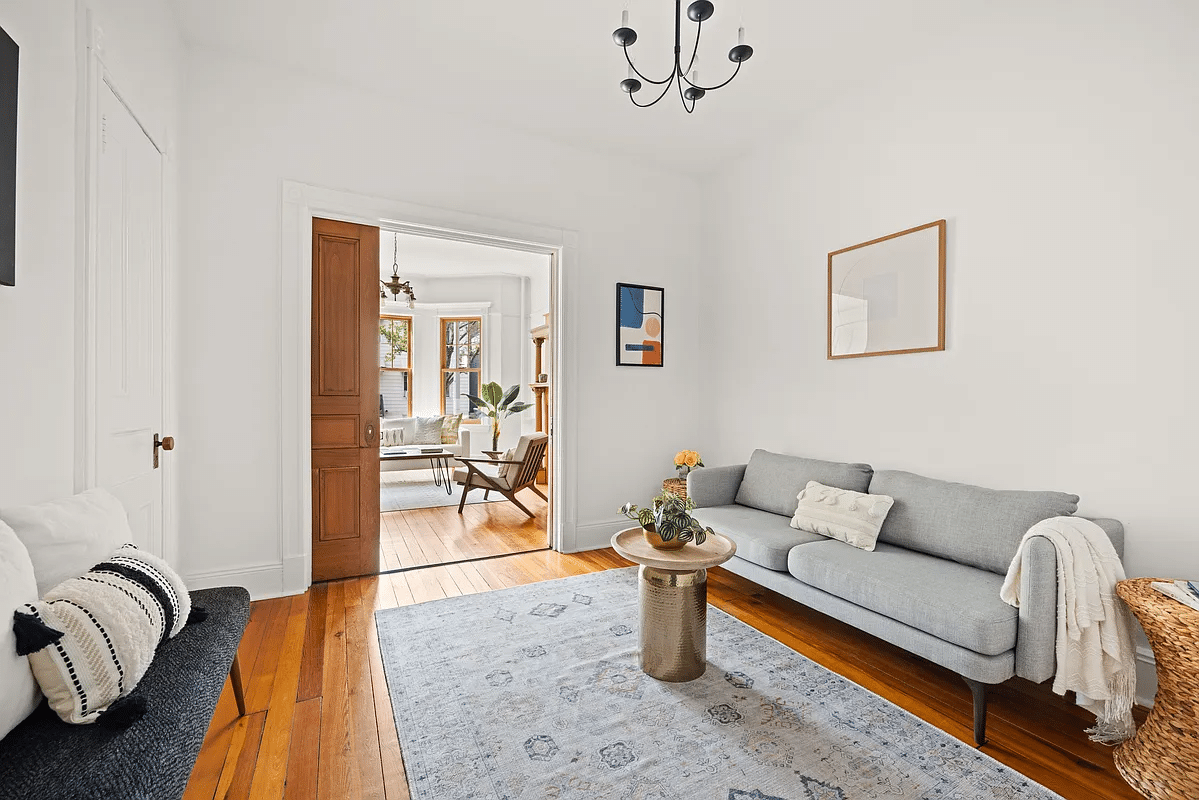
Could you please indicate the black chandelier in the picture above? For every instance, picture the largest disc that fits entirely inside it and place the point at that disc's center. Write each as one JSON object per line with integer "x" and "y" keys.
{"x": 698, "y": 12}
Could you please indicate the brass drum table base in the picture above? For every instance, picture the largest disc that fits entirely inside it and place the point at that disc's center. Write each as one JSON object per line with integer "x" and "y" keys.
{"x": 674, "y": 623}
{"x": 673, "y": 587}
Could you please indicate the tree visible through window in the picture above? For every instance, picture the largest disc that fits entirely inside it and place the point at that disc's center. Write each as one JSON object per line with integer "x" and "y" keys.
{"x": 395, "y": 366}
{"x": 461, "y": 358}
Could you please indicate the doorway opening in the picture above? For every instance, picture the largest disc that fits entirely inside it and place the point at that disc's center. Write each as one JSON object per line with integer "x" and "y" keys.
{"x": 465, "y": 383}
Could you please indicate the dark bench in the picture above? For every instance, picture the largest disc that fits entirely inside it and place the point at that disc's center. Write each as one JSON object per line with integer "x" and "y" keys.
{"x": 44, "y": 758}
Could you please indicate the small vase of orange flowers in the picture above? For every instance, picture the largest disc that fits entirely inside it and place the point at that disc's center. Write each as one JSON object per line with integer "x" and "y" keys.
{"x": 687, "y": 460}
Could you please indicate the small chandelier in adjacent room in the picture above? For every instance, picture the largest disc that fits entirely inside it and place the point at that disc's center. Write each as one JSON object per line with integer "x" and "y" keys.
{"x": 698, "y": 12}
{"x": 394, "y": 284}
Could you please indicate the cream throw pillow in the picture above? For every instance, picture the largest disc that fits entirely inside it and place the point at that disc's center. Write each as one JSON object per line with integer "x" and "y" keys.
{"x": 449, "y": 428}
{"x": 392, "y": 437}
{"x": 428, "y": 430}
{"x": 851, "y": 517}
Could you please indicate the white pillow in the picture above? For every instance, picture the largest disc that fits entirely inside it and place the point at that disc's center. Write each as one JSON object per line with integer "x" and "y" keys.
{"x": 20, "y": 695}
{"x": 428, "y": 430}
{"x": 392, "y": 437}
{"x": 850, "y": 517}
{"x": 92, "y": 638}
{"x": 65, "y": 538}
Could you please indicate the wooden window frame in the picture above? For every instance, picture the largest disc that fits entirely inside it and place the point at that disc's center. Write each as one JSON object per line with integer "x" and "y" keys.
{"x": 441, "y": 325}
{"x": 408, "y": 368}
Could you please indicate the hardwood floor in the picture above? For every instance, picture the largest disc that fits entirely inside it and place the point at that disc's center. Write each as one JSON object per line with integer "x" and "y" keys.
{"x": 319, "y": 722}
{"x": 425, "y": 536}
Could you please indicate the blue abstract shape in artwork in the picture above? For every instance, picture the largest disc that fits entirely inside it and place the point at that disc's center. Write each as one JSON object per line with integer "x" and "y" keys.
{"x": 632, "y": 301}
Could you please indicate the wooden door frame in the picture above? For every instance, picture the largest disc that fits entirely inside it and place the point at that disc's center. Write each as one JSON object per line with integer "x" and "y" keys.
{"x": 92, "y": 74}
{"x": 302, "y": 202}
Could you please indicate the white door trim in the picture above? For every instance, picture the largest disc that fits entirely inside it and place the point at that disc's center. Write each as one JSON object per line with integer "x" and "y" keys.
{"x": 302, "y": 202}
{"x": 91, "y": 75}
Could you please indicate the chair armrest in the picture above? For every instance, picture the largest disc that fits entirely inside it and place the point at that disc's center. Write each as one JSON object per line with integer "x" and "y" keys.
{"x": 486, "y": 461}
{"x": 715, "y": 486}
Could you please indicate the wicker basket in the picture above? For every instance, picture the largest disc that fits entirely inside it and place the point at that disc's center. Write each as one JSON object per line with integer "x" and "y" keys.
{"x": 1160, "y": 761}
{"x": 676, "y": 486}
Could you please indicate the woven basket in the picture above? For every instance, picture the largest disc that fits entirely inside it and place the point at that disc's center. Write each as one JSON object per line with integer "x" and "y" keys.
{"x": 1161, "y": 761}
{"x": 676, "y": 486}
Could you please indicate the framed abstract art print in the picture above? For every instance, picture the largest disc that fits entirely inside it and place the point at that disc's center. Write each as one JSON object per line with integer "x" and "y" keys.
{"x": 639, "y": 322}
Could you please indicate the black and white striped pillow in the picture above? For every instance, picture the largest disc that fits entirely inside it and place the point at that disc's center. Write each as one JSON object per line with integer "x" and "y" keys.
{"x": 92, "y": 638}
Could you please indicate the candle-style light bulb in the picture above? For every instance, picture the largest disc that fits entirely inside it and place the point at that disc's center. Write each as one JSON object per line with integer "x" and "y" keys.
{"x": 624, "y": 18}
{"x": 631, "y": 75}
{"x": 741, "y": 35}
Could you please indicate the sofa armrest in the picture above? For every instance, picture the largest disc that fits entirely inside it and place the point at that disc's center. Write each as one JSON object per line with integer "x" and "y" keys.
{"x": 715, "y": 486}
{"x": 1036, "y": 635}
{"x": 464, "y": 440}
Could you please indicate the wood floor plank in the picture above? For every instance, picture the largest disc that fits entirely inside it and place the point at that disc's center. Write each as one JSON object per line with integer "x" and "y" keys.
{"x": 367, "y": 760}
{"x": 303, "y": 758}
{"x": 312, "y": 663}
{"x": 243, "y": 753}
{"x": 270, "y": 775}
{"x": 337, "y": 779}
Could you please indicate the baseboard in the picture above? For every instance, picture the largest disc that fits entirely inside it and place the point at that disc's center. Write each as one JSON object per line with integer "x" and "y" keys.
{"x": 262, "y": 581}
{"x": 1146, "y": 676}
{"x": 597, "y": 535}
{"x": 297, "y": 574}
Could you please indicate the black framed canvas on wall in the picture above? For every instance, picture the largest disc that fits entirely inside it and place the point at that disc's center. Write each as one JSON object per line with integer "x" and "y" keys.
{"x": 640, "y": 319}
{"x": 8, "y": 159}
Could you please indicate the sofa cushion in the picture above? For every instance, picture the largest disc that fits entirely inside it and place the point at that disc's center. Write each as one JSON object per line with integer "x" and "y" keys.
{"x": 970, "y": 524}
{"x": 65, "y": 538}
{"x": 773, "y": 481}
{"x": 761, "y": 537}
{"x": 20, "y": 694}
{"x": 951, "y": 601}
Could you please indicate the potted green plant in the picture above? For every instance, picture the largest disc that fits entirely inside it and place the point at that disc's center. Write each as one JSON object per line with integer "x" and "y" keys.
{"x": 498, "y": 405}
{"x": 668, "y": 525}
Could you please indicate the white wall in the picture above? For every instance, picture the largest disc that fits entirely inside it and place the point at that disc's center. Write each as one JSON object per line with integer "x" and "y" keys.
{"x": 249, "y": 128}
{"x": 37, "y": 317}
{"x": 1060, "y": 147}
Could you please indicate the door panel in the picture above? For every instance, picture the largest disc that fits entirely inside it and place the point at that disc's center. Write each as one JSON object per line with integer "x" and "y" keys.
{"x": 129, "y": 319}
{"x": 345, "y": 400}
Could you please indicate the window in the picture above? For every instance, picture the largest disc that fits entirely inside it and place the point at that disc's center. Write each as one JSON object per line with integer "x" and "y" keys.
{"x": 395, "y": 366}
{"x": 461, "y": 357}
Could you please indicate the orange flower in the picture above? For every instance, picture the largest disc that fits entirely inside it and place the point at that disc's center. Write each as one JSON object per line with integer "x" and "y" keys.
{"x": 692, "y": 458}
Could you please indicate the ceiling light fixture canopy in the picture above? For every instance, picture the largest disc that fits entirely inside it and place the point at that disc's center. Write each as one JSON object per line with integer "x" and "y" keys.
{"x": 394, "y": 284}
{"x": 698, "y": 12}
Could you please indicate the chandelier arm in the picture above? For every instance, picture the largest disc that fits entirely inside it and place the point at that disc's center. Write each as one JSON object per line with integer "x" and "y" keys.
{"x": 656, "y": 100}
{"x": 719, "y": 85}
{"x": 699, "y": 28}
{"x": 683, "y": 100}
{"x": 639, "y": 75}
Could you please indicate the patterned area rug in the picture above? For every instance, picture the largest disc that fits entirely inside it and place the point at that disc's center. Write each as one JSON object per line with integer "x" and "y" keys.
{"x": 535, "y": 692}
{"x": 404, "y": 491}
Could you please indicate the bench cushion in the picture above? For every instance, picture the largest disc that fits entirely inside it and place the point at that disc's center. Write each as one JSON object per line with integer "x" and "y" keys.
{"x": 951, "y": 601}
{"x": 969, "y": 524}
{"x": 761, "y": 537}
{"x": 152, "y": 759}
{"x": 773, "y": 481}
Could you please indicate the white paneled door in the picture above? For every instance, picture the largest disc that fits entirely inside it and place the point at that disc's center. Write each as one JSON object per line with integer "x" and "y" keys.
{"x": 128, "y": 320}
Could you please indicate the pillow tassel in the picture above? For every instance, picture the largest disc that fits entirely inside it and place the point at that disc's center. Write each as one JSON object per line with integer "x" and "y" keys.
{"x": 123, "y": 712}
{"x": 32, "y": 634}
{"x": 198, "y": 614}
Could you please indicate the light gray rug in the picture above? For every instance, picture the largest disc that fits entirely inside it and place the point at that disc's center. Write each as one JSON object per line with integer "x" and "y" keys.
{"x": 404, "y": 495}
{"x": 535, "y": 692}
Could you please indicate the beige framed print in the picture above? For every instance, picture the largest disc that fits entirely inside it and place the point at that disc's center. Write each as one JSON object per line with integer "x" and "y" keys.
{"x": 887, "y": 296}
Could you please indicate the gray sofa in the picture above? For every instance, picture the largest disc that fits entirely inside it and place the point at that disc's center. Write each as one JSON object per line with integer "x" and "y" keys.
{"x": 932, "y": 584}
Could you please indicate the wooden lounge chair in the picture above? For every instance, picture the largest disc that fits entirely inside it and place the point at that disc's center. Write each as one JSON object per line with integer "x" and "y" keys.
{"x": 520, "y": 472}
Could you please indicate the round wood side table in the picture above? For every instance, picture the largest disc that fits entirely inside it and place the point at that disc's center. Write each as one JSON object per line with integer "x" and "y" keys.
{"x": 673, "y": 590}
{"x": 1162, "y": 760}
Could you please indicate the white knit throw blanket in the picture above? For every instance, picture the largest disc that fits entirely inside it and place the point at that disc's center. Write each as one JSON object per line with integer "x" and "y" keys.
{"x": 1095, "y": 655}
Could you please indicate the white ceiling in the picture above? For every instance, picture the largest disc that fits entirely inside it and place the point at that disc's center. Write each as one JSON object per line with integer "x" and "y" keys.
{"x": 428, "y": 257}
{"x": 550, "y": 67}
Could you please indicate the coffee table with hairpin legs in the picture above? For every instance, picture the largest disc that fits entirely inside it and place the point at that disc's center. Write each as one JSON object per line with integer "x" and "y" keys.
{"x": 673, "y": 587}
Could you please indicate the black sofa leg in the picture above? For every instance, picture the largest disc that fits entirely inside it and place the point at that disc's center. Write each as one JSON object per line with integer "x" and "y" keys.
{"x": 979, "y": 690}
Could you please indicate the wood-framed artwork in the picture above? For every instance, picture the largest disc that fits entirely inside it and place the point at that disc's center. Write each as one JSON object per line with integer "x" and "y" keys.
{"x": 887, "y": 296}
{"x": 640, "y": 321}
